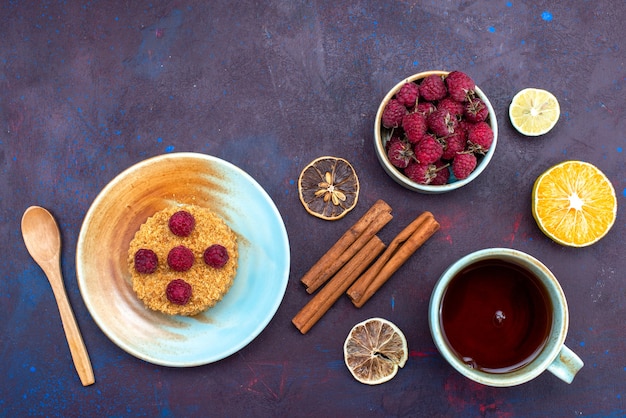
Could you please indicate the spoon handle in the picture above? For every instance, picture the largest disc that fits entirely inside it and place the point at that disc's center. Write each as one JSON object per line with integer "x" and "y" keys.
{"x": 72, "y": 333}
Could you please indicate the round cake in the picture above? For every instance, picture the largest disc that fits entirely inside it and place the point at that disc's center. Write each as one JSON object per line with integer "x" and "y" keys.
{"x": 183, "y": 260}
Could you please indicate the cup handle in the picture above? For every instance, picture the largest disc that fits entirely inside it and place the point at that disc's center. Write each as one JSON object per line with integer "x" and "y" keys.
{"x": 566, "y": 365}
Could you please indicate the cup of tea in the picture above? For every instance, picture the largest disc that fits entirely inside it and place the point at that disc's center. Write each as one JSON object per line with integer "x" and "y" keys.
{"x": 500, "y": 318}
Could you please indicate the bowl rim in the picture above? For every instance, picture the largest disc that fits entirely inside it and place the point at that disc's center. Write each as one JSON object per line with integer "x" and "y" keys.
{"x": 400, "y": 178}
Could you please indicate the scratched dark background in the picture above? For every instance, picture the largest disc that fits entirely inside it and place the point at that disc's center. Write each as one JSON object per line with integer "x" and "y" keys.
{"x": 88, "y": 88}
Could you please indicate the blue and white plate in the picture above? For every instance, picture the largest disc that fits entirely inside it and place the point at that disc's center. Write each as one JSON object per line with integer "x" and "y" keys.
{"x": 137, "y": 193}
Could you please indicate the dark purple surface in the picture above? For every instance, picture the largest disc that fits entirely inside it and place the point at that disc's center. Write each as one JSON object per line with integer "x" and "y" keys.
{"x": 89, "y": 88}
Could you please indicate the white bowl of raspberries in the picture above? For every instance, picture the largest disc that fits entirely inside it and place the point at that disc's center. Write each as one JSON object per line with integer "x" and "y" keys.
{"x": 435, "y": 131}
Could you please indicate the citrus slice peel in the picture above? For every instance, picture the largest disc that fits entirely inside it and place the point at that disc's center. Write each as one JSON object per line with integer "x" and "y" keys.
{"x": 328, "y": 188}
{"x": 374, "y": 351}
{"x": 574, "y": 203}
{"x": 534, "y": 112}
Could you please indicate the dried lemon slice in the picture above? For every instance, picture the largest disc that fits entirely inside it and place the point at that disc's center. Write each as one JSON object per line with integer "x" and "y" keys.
{"x": 534, "y": 112}
{"x": 574, "y": 203}
{"x": 328, "y": 188}
{"x": 374, "y": 351}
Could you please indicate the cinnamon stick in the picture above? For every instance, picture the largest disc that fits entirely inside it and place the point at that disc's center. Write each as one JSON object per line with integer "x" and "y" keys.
{"x": 397, "y": 253}
{"x": 354, "y": 248}
{"x": 347, "y": 246}
{"x": 337, "y": 286}
{"x": 358, "y": 288}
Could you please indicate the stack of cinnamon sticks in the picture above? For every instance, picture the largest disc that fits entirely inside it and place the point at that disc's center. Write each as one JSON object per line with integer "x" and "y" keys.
{"x": 359, "y": 263}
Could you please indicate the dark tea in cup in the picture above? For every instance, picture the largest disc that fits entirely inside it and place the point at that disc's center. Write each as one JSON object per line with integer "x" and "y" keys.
{"x": 499, "y": 317}
{"x": 496, "y": 316}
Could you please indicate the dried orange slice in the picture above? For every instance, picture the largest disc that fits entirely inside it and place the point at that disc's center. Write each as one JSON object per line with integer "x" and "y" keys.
{"x": 574, "y": 203}
{"x": 328, "y": 188}
{"x": 374, "y": 351}
{"x": 534, "y": 112}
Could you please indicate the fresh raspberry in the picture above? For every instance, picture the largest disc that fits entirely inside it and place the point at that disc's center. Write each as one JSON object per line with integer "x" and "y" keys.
{"x": 465, "y": 125}
{"x": 425, "y": 108}
{"x": 399, "y": 152}
{"x": 393, "y": 114}
{"x": 408, "y": 95}
{"x": 180, "y": 258}
{"x": 435, "y": 173}
{"x": 460, "y": 85}
{"x": 216, "y": 256}
{"x": 452, "y": 106}
{"x": 475, "y": 110}
{"x": 433, "y": 88}
{"x": 428, "y": 150}
{"x": 182, "y": 223}
{"x": 146, "y": 261}
{"x": 441, "y": 122}
{"x": 480, "y": 137}
{"x": 454, "y": 143}
{"x": 439, "y": 173}
{"x": 463, "y": 165}
{"x": 417, "y": 172}
{"x": 414, "y": 125}
{"x": 178, "y": 292}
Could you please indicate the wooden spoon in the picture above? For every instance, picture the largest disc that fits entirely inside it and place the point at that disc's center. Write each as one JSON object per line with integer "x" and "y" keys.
{"x": 43, "y": 241}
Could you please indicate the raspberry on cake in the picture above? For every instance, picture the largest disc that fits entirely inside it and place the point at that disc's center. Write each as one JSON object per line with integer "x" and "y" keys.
{"x": 178, "y": 292}
{"x": 182, "y": 223}
{"x": 216, "y": 256}
{"x": 166, "y": 267}
{"x": 180, "y": 258}
{"x": 146, "y": 261}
